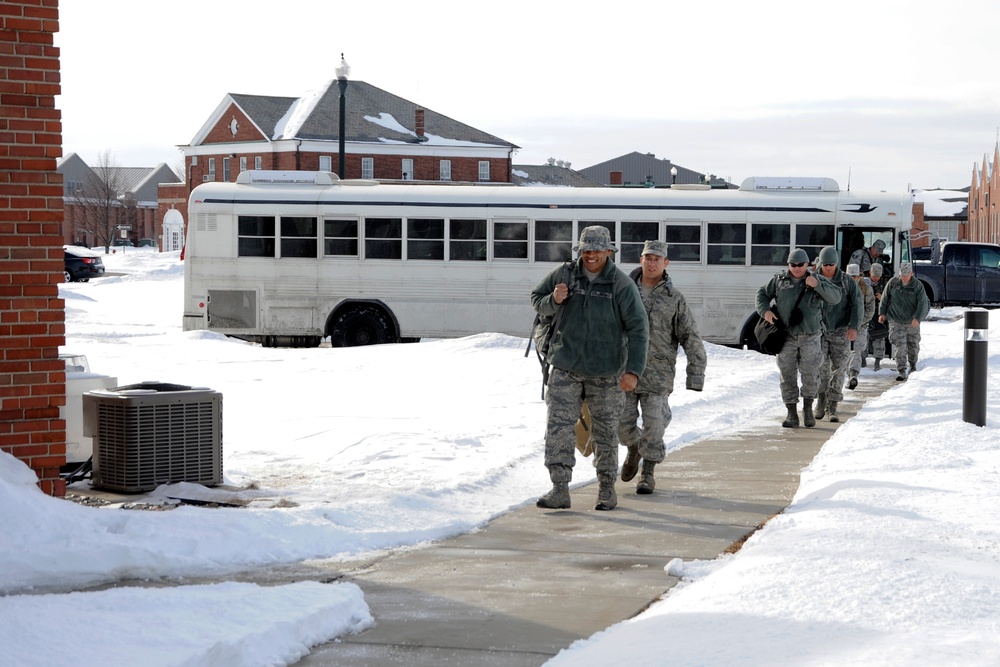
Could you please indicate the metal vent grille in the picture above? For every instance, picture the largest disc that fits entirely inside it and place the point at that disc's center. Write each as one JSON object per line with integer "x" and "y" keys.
{"x": 206, "y": 222}
{"x": 147, "y": 437}
{"x": 232, "y": 309}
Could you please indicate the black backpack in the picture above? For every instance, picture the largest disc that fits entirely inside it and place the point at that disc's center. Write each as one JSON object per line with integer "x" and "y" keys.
{"x": 544, "y": 328}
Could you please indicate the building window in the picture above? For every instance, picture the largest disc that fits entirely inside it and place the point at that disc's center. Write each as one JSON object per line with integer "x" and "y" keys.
{"x": 484, "y": 170}
{"x": 368, "y": 167}
{"x": 243, "y": 164}
{"x": 211, "y": 168}
{"x": 407, "y": 169}
{"x": 510, "y": 240}
{"x": 554, "y": 240}
{"x": 445, "y": 170}
{"x": 325, "y": 163}
{"x": 225, "y": 169}
{"x": 258, "y": 163}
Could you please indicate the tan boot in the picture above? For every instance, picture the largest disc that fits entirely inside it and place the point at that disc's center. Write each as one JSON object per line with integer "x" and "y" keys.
{"x": 646, "y": 481}
{"x": 607, "y": 497}
{"x": 557, "y": 498}
{"x": 631, "y": 465}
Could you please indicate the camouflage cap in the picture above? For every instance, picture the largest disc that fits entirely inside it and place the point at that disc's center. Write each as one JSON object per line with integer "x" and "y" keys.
{"x": 853, "y": 270}
{"x": 876, "y": 269}
{"x": 905, "y": 268}
{"x": 879, "y": 245}
{"x": 655, "y": 248}
{"x": 595, "y": 237}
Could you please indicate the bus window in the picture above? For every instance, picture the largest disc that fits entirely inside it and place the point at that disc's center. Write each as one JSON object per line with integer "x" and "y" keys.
{"x": 683, "y": 243}
{"x": 510, "y": 240}
{"x": 298, "y": 237}
{"x": 384, "y": 238}
{"x": 634, "y": 236}
{"x": 553, "y": 240}
{"x": 727, "y": 243}
{"x": 812, "y": 238}
{"x": 769, "y": 243}
{"x": 424, "y": 238}
{"x": 256, "y": 236}
{"x": 467, "y": 240}
{"x": 340, "y": 237}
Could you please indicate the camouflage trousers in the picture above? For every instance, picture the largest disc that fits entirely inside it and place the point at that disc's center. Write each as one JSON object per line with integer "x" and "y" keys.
{"x": 860, "y": 352}
{"x": 801, "y": 356}
{"x": 836, "y": 358}
{"x": 656, "y": 416}
{"x": 878, "y": 347}
{"x": 564, "y": 397}
{"x": 905, "y": 341}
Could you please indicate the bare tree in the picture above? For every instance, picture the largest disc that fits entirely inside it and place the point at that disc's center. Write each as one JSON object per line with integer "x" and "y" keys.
{"x": 103, "y": 200}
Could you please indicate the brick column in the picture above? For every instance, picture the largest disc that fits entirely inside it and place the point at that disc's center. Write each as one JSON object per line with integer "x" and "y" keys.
{"x": 32, "y": 317}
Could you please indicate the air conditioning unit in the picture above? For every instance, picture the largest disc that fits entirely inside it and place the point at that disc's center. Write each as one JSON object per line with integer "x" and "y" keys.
{"x": 154, "y": 433}
{"x": 208, "y": 177}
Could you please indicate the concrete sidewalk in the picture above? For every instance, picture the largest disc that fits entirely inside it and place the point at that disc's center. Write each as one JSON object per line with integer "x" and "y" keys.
{"x": 533, "y": 581}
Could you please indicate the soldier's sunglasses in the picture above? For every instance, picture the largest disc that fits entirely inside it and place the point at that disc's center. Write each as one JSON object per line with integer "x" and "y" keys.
{"x": 799, "y": 265}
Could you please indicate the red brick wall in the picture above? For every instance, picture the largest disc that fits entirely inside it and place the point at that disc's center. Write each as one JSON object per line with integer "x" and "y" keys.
{"x": 32, "y": 378}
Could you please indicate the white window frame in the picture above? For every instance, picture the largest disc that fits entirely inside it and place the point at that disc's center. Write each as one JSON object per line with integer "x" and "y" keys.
{"x": 406, "y": 169}
{"x": 368, "y": 167}
{"x": 445, "y": 170}
{"x": 243, "y": 164}
{"x": 258, "y": 162}
{"x": 484, "y": 170}
{"x": 325, "y": 163}
{"x": 211, "y": 168}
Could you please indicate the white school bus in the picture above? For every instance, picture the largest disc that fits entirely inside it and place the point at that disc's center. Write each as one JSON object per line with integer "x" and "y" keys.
{"x": 290, "y": 258}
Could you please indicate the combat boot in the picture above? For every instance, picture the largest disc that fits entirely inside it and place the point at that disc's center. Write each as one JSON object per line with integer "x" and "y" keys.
{"x": 792, "y": 420}
{"x": 557, "y": 498}
{"x": 646, "y": 480}
{"x": 821, "y": 405}
{"x": 808, "y": 418}
{"x": 853, "y": 384}
{"x": 607, "y": 497}
{"x": 631, "y": 465}
{"x": 833, "y": 411}
{"x": 878, "y": 364}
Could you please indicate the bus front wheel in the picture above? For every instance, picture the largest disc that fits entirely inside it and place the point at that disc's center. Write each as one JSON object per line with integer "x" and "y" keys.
{"x": 361, "y": 325}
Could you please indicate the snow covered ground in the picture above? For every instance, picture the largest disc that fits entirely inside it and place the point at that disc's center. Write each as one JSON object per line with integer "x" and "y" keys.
{"x": 889, "y": 555}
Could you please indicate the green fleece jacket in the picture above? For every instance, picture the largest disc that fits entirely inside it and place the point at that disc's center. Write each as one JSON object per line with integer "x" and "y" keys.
{"x": 604, "y": 330}
{"x": 783, "y": 289}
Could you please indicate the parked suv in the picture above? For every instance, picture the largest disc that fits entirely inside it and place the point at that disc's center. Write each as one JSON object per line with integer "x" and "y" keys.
{"x": 81, "y": 264}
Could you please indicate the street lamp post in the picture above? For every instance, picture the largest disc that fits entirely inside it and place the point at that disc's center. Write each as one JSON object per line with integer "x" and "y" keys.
{"x": 342, "y": 73}
{"x": 673, "y": 175}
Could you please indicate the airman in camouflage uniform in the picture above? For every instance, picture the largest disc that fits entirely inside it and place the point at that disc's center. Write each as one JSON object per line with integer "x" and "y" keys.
{"x": 904, "y": 304}
{"x": 877, "y": 341}
{"x": 861, "y": 344}
{"x": 802, "y": 353}
{"x": 670, "y": 323}
{"x": 598, "y": 352}
{"x": 840, "y": 328}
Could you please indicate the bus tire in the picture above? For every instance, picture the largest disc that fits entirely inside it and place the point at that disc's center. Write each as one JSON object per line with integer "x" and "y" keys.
{"x": 362, "y": 325}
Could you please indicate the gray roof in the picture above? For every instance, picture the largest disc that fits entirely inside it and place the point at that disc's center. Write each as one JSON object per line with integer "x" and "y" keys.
{"x": 363, "y": 100}
{"x": 549, "y": 174}
{"x": 637, "y": 167}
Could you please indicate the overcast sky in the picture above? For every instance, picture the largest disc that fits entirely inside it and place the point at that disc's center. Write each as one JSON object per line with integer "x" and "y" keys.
{"x": 890, "y": 93}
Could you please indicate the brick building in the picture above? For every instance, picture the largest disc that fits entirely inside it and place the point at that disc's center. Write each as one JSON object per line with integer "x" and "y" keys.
{"x": 135, "y": 203}
{"x": 386, "y": 138}
{"x": 32, "y": 318}
{"x": 984, "y": 219}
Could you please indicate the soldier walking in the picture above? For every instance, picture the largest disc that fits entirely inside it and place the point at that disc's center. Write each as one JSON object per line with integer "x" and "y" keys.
{"x": 861, "y": 343}
{"x": 840, "y": 328}
{"x": 904, "y": 304}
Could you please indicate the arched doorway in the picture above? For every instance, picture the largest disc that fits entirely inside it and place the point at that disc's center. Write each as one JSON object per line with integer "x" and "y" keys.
{"x": 173, "y": 230}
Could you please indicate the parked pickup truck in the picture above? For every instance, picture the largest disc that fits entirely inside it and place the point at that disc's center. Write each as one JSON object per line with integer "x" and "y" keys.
{"x": 961, "y": 273}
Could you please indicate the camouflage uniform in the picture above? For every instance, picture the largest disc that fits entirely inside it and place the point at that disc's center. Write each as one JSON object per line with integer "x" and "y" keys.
{"x": 901, "y": 304}
{"x": 838, "y": 317}
{"x": 802, "y": 352}
{"x": 861, "y": 344}
{"x": 670, "y": 323}
{"x": 603, "y": 335}
{"x": 877, "y": 345}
